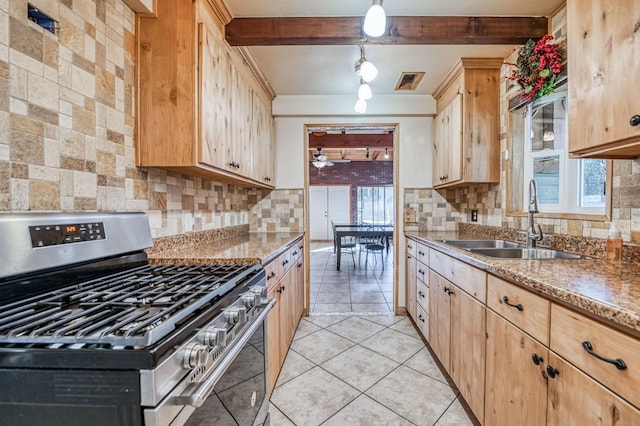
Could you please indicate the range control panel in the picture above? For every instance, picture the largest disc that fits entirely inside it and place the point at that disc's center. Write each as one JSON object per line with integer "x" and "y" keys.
{"x": 52, "y": 235}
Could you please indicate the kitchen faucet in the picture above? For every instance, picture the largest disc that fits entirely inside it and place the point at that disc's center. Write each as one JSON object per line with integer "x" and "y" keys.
{"x": 533, "y": 235}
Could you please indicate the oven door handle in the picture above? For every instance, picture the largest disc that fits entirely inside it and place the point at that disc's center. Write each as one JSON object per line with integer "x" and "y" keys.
{"x": 200, "y": 395}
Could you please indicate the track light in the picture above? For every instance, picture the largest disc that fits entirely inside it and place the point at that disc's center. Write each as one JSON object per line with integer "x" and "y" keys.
{"x": 364, "y": 91}
{"x": 375, "y": 22}
{"x": 361, "y": 106}
{"x": 365, "y": 69}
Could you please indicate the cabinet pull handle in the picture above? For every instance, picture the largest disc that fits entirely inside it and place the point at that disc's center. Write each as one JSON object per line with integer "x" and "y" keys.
{"x": 421, "y": 253}
{"x": 537, "y": 359}
{"x": 420, "y": 293}
{"x": 619, "y": 363}
{"x": 271, "y": 275}
{"x": 519, "y": 306}
{"x": 409, "y": 246}
{"x": 635, "y": 120}
{"x": 281, "y": 289}
{"x": 300, "y": 265}
{"x": 552, "y": 371}
{"x": 420, "y": 317}
{"x": 446, "y": 289}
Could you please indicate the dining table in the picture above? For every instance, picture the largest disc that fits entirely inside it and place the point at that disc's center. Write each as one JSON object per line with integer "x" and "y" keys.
{"x": 341, "y": 230}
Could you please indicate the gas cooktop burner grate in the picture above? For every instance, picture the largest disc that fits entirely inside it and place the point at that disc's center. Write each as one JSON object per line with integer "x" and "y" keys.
{"x": 137, "y": 307}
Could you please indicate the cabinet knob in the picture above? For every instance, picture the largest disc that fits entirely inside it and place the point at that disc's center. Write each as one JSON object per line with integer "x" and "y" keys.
{"x": 635, "y": 120}
{"x": 537, "y": 359}
{"x": 552, "y": 371}
{"x": 271, "y": 275}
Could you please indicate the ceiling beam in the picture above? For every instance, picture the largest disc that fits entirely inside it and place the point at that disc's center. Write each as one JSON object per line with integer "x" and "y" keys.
{"x": 287, "y": 31}
{"x": 351, "y": 141}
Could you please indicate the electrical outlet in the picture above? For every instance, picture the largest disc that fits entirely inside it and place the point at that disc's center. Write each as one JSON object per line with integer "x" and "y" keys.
{"x": 474, "y": 215}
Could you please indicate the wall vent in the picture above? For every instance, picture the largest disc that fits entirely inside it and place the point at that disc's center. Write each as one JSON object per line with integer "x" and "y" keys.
{"x": 409, "y": 80}
{"x": 39, "y": 17}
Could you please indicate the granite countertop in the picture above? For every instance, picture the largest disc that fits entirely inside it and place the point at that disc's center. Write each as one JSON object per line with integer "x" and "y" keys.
{"x": 248, "y": 248}
{"x": 606, "y": 290}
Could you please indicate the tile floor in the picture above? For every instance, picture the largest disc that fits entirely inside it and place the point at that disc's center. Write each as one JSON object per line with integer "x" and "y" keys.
{"x": 354, "y": 288}
{"x": 352, "y": 362}
{"x": 360, "y": 369}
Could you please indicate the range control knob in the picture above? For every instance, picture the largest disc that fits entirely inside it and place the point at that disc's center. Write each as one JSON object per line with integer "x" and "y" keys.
{"x": 214, "y": 337}
{"x": 259, "y": 289}
{"x": 251, "y": 299}
{"x": 235, "y": 315}
{"x": 194, "y": 355}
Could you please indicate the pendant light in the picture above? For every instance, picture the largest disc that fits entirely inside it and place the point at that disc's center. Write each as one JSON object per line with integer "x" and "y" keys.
{"x": 361, "y": 106}
{"x": 364, "y": 91}
{"x": 375, "y": 22}
{"x": 365, "y": 69}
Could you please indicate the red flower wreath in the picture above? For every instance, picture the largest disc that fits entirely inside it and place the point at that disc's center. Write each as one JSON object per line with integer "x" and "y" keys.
{"x": 537, "y": 67}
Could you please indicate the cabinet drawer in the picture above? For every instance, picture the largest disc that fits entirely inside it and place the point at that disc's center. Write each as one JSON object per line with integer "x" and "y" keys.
{"x": 422, "y": 321}
{"x": 273, "y": 272}
{"x": 294, "y": 254}
{"x": 285, "y": 261}
{"x": 569, "y": 332}
{"x": 526, "y": 310}
{"x": 422, "y": 296}
{"x": 465, "y": 276}
{"x": 422, "y": 254}
{"x": 411, "y": 247}
{"x": 422, "y": 273}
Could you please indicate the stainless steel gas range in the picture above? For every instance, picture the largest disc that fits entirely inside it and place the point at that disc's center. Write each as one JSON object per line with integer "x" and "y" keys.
{"x": 92, "y": 334}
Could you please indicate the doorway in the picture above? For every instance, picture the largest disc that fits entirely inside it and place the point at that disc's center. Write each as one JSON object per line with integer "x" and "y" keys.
{"x": 327, "y": 205}
{"x": 361, "y": 161}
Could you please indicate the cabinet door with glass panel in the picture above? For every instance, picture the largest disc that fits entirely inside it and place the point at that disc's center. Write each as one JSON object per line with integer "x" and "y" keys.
{"x": 539, "y": 150}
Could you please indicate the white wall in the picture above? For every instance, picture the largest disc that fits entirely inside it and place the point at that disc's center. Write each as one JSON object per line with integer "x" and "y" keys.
{"x": 413, "y": 114}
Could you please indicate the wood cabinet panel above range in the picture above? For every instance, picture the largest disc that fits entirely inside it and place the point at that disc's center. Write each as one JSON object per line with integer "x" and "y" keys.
{"x": 201, "y": 111}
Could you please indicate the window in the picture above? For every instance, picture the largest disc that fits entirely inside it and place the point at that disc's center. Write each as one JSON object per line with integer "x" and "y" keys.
{"x": 375, "y": 205}
{"x": 564, "y": 185}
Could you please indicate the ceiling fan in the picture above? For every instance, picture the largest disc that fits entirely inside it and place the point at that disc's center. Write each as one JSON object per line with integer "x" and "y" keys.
{"x": 321, "y": 160}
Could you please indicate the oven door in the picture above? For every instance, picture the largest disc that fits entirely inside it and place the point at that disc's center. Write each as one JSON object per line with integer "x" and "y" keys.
{"x": 233, "y": 394}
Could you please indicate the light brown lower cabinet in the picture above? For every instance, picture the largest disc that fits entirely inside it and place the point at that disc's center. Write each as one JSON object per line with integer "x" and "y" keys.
{"x": 457, "y": 336}
{"x": 410, "y": 288}
{"x": 283, "y": 319}
{"x": 516, "y": 387}
{"x": 273, "y": 340}
{"x": 519, "y": 358}
{"x": 440, "y": 318}
{"x": 576, "y": 399}
{"x": 468, "y": 318}
{"x": 528, "y": 381}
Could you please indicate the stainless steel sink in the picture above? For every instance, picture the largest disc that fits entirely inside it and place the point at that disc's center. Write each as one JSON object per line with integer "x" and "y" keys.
{"x": 481, "y": 244}
{"x": 525, "y": 253}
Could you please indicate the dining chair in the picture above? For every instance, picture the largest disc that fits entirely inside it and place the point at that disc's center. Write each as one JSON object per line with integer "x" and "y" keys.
{"x": 347, "y": 245}
{"x": 374, "y": 244}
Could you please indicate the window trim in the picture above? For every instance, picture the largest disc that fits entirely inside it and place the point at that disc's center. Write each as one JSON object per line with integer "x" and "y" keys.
{"x": 520, "y": 211}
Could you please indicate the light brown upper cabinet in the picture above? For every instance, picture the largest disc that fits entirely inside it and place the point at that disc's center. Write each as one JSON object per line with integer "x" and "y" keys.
{"x": 603, "y": 60}
{"x": 201, "y": 111}
{"x": 466, "y": 138}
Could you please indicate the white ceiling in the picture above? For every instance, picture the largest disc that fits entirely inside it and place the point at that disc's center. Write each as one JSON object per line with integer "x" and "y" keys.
{"x": 329, "y": 70}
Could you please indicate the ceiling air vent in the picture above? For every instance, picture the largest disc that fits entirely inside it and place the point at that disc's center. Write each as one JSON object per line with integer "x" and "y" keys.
{"x": 409, "y": 80}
